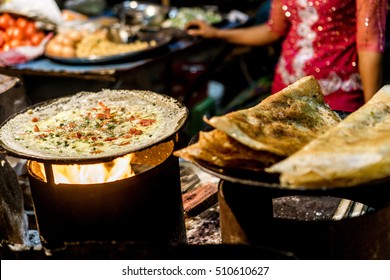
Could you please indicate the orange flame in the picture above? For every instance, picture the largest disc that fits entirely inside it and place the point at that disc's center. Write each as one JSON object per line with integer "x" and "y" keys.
{"x": 119, "y": 168}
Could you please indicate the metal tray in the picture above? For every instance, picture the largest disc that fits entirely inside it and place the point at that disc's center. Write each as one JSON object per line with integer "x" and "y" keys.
{"x": 375, "y": 193}
{"x": 234, "y": 175}
{"x": 162, "y": 37}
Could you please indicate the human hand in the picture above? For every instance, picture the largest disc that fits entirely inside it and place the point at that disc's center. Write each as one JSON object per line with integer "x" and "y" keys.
{"x": 200, "y": 28}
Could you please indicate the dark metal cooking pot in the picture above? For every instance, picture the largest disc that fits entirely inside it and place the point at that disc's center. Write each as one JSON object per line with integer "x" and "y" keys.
{"x": 145, "y": 208}
{"x": 247, "y": 217}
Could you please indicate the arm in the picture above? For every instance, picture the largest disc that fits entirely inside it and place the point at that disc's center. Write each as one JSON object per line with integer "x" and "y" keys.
{"x": 251, "y": 36}
{"x": 257, "y": 35}
{"x": 370, "y": 42}
{"x": 370, "y": 68}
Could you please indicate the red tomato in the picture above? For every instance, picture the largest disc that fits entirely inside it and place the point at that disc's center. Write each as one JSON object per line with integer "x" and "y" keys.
{"x": 3, "y": 22}
{"x": 15, "y": 32}
{"x": 37, "y": 38}
{"x": 11, "y": 21}
{"x": 6, "y": 21}
{"x": 30, "y": 29}
{"x": 5, "y": 36}
{"x": 21, "y": 22}
{"x": 15, "y": 43}
{"x": 26, "y": 42}
{"x": 9, "y": 32}
{"x": 6, "y": 47}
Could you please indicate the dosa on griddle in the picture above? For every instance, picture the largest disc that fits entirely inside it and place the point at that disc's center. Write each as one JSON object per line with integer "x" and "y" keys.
{"x": 218, "y": 149}
{"x": 282, "y": 123}
{"x": 355, "y": 151}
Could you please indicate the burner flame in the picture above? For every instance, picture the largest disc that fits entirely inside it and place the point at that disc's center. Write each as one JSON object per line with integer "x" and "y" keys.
{"x": 119, "y": 168}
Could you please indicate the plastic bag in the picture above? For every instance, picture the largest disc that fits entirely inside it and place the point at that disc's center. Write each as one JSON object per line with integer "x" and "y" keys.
{"x": 88, "y": 7}
{"x": 45, "y": 10}
{"x": 24, "y": 53}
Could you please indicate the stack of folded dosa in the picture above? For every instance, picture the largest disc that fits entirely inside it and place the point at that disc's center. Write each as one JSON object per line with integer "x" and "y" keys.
{"x": 355, "y": 151}
{"x": 260, "y": 136}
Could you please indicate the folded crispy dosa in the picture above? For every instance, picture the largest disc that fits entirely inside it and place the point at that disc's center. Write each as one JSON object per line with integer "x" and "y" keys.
{"x": 282, "y": 123}
{"x": 217, "y": 148}
{"x": 355, "y": 151}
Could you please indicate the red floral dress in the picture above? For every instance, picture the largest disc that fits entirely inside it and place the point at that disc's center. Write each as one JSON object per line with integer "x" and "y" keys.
{"x": 322, "y": 39}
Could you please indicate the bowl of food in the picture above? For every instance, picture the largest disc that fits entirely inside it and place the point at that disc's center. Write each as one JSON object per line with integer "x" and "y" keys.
{"x": 141, "y": 13}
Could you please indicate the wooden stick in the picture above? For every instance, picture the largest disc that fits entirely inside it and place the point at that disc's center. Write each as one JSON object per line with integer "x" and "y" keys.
{"x": 200, "y": 199}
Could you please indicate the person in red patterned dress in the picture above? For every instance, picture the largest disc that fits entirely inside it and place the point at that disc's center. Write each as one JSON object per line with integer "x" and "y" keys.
{"x": 340, "y": 43}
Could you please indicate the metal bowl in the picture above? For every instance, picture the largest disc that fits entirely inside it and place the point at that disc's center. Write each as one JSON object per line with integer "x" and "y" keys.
{"x": 141, "y": 13}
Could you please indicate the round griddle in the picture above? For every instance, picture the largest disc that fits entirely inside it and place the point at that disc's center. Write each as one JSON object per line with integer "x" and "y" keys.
{"x": 236, "y": 175}
{"x": 171, "y": 116}
{"x": 372, "y": 193}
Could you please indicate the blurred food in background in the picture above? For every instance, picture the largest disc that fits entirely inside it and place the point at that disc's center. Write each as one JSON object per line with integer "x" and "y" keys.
{"x": 16, "y": 31}
{"x": 83, "y": 29}
{"x": 141, "y": 13}
{"x": 178, "y": 17}
{"x": 82, "y": 44}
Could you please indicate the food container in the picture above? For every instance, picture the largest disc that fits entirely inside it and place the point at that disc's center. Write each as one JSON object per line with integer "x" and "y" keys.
{"x": 141, "y": 13}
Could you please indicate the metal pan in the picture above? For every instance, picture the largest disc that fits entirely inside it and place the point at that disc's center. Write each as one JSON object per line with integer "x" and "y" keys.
{"x": 161, "y": 38}
{"x": 170, "y": 115}
{"x": 236, "y": 175}
{"x": 375, "y": 193}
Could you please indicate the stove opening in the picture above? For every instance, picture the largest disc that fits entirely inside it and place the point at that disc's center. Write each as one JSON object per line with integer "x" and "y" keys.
{"x": 134, "y": 198}
{"x": 117, "y": 169}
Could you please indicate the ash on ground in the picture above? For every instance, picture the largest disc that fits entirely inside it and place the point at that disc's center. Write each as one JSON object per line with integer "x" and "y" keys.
{"x": 204, "y": 228}
{"x": 305, "y": 208}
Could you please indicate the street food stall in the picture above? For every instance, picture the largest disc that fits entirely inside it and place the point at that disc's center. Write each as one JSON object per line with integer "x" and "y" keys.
{"x": 50, "y": 75}
{"x": 148, "y": 67}
{"x": 101, "y": 97}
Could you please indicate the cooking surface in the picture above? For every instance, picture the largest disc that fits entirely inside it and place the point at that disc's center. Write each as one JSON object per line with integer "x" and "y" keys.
{"x": 30, "y": 134}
